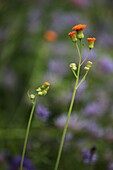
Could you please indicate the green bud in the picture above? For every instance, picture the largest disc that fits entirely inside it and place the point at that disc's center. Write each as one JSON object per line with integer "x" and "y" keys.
{"x": 89, "y": 64}
{"x": 80, "y": 34}
{"x": 32, "y": 96}
{"x": 73, "y": 66}
{"x": 86, "y": 68}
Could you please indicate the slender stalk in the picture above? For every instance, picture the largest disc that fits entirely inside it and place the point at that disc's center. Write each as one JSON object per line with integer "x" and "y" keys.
{"x": 85, "y": 57}
{"x": 69, "y": 112}
{"x": 27, "y": 134}
{"x": 65, "y": 129}
{"x": 82, "y": 79}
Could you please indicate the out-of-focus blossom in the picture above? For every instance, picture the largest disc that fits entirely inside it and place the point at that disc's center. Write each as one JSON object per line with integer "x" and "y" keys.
{"x": 81, "y": 3}
{"x": 74, "y": 123}
{"x": 110, "y": 166}
{"x": 68, "y": 136}
{"x": 42, "y": 112}
{"x": 89, "y": 155}
{"x": 105, "y": 36}
{"x": 15, "y": 164}
{"x": 94, "y": 109}
{"x": 108, "y": 136}
{"x": 105, "y": 65}
{"x": 50, "y": 35}
{"x": 58, "y": 66}
{"x": 93, "y": 129}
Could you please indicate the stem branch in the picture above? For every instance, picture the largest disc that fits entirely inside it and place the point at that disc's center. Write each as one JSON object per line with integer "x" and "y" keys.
{"x": 27, "y": 134}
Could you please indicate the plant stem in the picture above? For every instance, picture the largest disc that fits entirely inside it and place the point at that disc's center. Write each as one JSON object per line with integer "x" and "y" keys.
{"x": 69, "y": 112}
{"x": 85, "y": 57}
{"x": 27, "y": 134}
{"x": 65, "y": 129}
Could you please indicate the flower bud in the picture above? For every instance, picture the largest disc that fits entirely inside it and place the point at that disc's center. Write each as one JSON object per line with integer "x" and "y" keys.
{"x": 73, "y": 36}
{"x": 32, "y": 96}
{"x": 42, "y": 90}
{"x": 88, "y": 65}
{"x": 79, "y": 29}
{"x": 73, "y": 66}
{"x": 86, "y": 68}
{"x": 91, "y": 42}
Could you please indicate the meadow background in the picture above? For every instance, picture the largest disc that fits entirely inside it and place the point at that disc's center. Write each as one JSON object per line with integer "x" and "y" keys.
{"x": 28, "y": 58}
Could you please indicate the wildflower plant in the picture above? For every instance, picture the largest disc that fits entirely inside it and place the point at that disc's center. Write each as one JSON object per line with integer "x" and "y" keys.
{"x": 40, "y": 91}
{"x": 77, "y": 36}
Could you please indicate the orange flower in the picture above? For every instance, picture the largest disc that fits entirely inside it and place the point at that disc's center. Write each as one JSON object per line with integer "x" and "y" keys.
{"x": 50, "y": 35}
{"x": 91, "y": 40}
{"x": 47, "y": 83}
{"x": 79, "y": 27}
{"x": 73, "y": 36}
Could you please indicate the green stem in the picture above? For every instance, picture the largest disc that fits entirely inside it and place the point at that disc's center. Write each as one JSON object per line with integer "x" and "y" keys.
{"x": 82, "y": 80}
{"x": 69, "y": 112}
{"x": 74, "y": 73}
{"x": 27, "y": 134}
{"x": 65, "y": 129}
{"x": 85, "y": 57}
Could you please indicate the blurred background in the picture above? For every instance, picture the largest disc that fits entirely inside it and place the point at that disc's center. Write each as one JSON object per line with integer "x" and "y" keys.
{"x": 35, "y": 48}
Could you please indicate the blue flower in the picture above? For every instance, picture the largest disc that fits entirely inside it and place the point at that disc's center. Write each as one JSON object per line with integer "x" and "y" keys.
{"x": 89, "y": 156}
{"x": 42, "y": 112}
{"x": 15, "y": 164}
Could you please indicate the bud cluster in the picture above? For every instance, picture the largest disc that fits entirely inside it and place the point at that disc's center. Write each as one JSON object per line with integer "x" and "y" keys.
{"x": 88, "y": 65}
{"x": 41, "y": 91}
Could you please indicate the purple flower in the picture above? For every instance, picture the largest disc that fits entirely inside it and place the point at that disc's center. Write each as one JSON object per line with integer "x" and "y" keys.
{"x": 58, "y": 66}
{"x": 110, "y": 166}
{"x": 89, "y": 155}
{"x": 15, "y": 164}
{"x": 42, "y": 112}
{"x": 106, "y": 65}
{"x": 94, "y": 109}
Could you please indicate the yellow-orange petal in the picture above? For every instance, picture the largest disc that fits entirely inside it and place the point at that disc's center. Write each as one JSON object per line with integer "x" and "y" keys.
{"x": 72, "y": 33}
{"x": 50, "y": 35}
{"x": 79, "y": 27}
{"x": 91, "y": 40}
{"x": 47, "y": 83}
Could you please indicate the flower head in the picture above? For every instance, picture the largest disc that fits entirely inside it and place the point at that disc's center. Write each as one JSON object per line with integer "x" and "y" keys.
{"x": 42, "y": 112}
{"x": 79, "y": 28}
{"x": 89, "y": 155}
{"x": 73, "y": 36}
{"x": 91, "y": 42}
{"x": 50, "y": 35}
{"x": 91, "y": 39}
{"x": 15, "y": 164}
{"x": 47, "y": 84}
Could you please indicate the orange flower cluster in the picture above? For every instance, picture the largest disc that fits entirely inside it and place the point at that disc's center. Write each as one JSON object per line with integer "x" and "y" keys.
{"x": 50, "y": 35}
{"x": 79, "y": 27}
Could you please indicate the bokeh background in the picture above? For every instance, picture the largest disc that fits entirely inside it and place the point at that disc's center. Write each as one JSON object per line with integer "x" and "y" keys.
{"x": 35, "y": 48}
